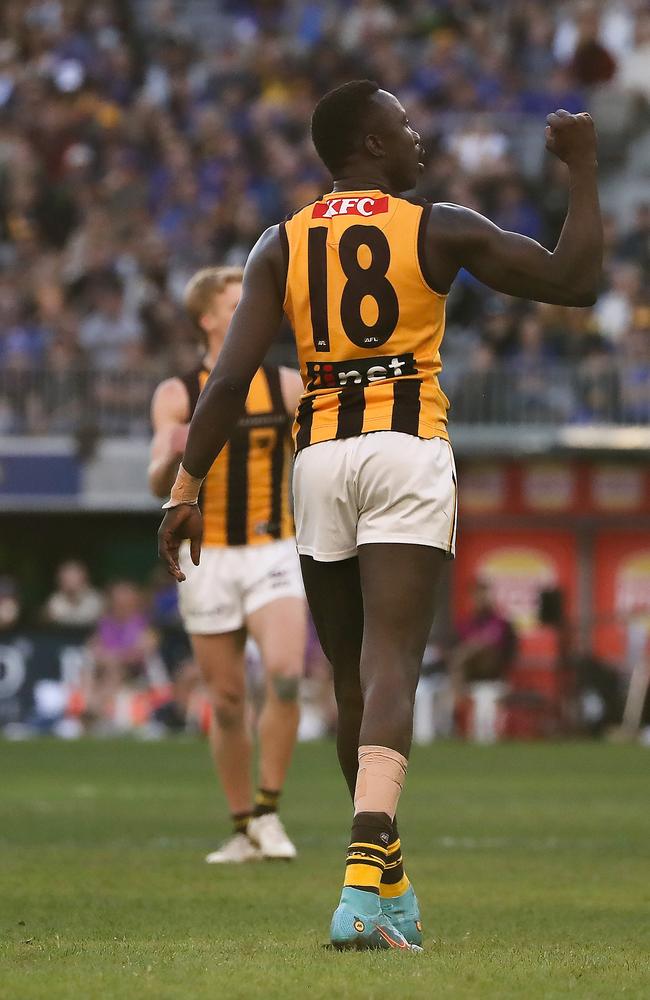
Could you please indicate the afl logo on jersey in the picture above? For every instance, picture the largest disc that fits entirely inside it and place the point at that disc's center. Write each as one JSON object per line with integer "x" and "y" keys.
{"x": 360, "y": 371}
{"x": 350, "y": 206}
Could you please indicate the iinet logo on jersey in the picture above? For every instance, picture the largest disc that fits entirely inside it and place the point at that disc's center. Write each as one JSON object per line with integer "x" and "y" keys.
{"x": 350, "y": 206}
{"x": 361, "y": 371}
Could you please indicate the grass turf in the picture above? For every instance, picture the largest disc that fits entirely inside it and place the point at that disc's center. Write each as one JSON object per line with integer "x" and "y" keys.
{"x": 532, "y": 864}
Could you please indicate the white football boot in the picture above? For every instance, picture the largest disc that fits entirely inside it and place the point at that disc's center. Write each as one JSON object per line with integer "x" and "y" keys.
{"x": 268, "y": 833}
{"x": 235, "y": 851}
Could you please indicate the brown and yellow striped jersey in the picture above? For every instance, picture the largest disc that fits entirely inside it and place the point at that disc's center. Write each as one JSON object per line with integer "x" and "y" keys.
{"x": 244, "y": 498}
{"x": 368, "y": 324}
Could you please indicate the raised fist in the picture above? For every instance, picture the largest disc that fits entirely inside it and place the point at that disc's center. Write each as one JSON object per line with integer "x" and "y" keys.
{"x": 571, "y": 137}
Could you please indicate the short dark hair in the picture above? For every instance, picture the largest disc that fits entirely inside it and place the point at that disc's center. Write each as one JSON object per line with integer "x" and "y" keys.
{"x": 338, "y": 121}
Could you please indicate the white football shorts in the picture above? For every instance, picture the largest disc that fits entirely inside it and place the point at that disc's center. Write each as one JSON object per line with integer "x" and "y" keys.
{"x": 381, "y": 487}
{"x": 232, "y": 582}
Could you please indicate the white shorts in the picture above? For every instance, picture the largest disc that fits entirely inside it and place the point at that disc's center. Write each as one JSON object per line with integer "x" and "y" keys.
{"x": 379, "y": 487}
{"x": 232, "y": 582}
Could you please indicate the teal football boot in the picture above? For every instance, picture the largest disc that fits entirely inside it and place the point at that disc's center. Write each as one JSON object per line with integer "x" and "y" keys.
{"x": 358, "y": 923}
{"x": 404, "y": 914}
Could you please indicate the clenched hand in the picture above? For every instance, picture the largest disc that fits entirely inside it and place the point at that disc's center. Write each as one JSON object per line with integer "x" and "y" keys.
{"x": 571, "y": 137}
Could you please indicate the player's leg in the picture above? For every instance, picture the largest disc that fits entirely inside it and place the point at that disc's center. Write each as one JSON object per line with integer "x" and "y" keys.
{"x": 326, "y": 529}
{"x": 211, "y": 603}
{"x": 280, "y": 630}
{"x": 327, "y": 519}
{"x": 334, "y": 595}
{"x": 398, "y": 584}
{"x": 222, "y": 662}
{"x": 275, "y": 612}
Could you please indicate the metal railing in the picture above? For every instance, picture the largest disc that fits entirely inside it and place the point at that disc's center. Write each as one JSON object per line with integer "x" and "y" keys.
{"x": 81, "y": 402}
{"x": 93, "y": 404}
{"x": 587, "y": 393}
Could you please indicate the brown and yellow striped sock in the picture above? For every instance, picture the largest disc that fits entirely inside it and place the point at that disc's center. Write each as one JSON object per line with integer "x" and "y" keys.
{"x": 394, "y": 881}
{"x": 367, "y": 853}
{"x": 240, "y": 821}
{"x": 266, "y": 801}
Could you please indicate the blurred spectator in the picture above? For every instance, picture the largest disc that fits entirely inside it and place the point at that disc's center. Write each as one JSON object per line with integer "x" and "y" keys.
{"x": 480, "y": 389}
{"x": 515, "y": 211}
{"x": 364, "y": 23}
{"x": 174, "y": 645}
{"x": 10, "y": 604}
{"x": 597, "y": 388}
{"x": 591, "y": 62}
{"x": 433, "y": 715}
{"x": 486, "y": 640}
{"x": 480, "y": 149}
{"x": 75, "y": 602}
{"x": 108, "y": 329}
{"x": 481, "y": 661}
{"x": 538, "y": 396}
{"x": 635, "y": 377}
{"x": 635, "y": 246}
{"x": 122, "y": 649}
{"x": 600, "y": 694}
{"x": 634, "y": 73}
{"x": 175, "y": 714}
{"x": 557, "y": 90}
{"x": 163, "y": 599}
{"x": 614, "y": 309}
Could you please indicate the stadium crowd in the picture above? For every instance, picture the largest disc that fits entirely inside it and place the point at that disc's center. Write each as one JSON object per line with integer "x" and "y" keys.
{"x": 133, "y": 151}
{"x": 125, "y": 665}
{"x": 125, "y": 662}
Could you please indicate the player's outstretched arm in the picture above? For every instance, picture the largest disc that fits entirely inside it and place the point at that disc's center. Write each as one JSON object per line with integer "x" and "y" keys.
{"x": 516, "y": 265}
{"x": 254, "y": 325}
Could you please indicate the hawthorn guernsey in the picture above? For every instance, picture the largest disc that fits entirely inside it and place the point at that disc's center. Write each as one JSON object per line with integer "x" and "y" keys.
{"x": 367, "y": 319}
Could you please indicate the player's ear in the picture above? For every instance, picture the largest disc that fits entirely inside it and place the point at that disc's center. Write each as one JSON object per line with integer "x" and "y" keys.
{"x": 374, "y": 145}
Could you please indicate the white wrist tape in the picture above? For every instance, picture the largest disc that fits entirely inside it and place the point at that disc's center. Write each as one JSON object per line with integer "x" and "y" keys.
{"x": 186, "y": 489}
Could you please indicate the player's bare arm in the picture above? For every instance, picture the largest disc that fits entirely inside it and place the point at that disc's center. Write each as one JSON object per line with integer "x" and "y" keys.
{"x": 292, "y": 389}
{"x": 254, "y": 326}
{"x": 514, "y": 264}
{"x": 169, "y": 418}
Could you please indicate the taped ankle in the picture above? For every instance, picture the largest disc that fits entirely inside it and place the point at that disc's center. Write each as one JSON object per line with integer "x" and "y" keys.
{"x": 380, "y": 780}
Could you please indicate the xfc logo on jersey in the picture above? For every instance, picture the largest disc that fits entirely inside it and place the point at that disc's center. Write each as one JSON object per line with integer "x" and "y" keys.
{"x": 360, "y": 371}
{"x": 350, "y": 206}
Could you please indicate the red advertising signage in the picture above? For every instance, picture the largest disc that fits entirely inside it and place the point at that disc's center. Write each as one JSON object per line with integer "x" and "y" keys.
{"x": 549, "y": 487}
{"x": 621, "y": 591}
{"x": 518, "y": 565}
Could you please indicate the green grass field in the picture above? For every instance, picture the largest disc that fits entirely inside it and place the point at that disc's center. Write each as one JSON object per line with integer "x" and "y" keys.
{"x": 532, "y": 864}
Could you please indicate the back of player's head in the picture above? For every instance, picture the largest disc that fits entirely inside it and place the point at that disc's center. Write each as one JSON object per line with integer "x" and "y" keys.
{"x": 339, "y": 120}
{"x": 204, "y": 285}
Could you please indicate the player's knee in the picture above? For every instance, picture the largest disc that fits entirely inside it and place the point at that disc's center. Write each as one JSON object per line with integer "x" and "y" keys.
{"x": 285, "y": 687}
{"x": 228, "y": 709}
{"x": 390, "y": 689}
